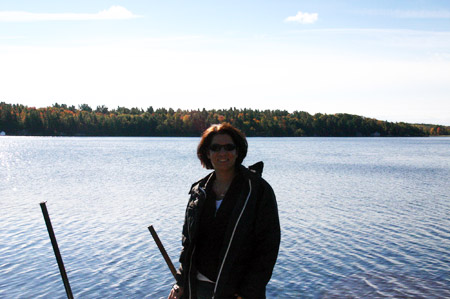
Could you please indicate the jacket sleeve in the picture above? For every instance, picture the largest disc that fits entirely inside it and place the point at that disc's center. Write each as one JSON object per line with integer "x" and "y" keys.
{"x": 185, "y": 241}
{"x": 267, "y": 236}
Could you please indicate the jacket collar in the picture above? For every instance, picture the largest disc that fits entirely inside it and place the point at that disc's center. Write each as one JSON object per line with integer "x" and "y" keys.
{"x": 256, "y": 168}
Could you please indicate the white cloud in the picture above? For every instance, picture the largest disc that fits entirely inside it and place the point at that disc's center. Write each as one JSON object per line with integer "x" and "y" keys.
{"x": 411, "y": 14}
{"x": 303, "y": 18}
{"x": 113, "y": 13}
{"x": 423, "y": 45}
{"x": 424, "y": 14}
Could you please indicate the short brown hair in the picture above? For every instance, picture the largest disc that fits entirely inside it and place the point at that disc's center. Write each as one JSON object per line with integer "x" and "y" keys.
{"x": 224, "y": 128}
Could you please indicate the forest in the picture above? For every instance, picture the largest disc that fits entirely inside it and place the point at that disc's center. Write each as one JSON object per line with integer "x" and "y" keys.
{"x": 64, "y": 120}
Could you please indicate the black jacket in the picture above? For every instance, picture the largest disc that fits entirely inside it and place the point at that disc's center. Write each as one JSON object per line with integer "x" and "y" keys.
{"x": 251, "y": 244}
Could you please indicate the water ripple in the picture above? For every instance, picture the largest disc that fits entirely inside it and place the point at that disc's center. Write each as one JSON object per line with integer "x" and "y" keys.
{"x": 360, "y": 218}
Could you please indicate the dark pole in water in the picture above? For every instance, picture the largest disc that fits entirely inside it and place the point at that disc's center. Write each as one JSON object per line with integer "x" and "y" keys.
{"x": 162, "y": 250}
{"x": 62, "y": 270}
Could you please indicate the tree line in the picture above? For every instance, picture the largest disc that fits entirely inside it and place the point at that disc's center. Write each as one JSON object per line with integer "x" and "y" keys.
{"x": 63, "y": 120}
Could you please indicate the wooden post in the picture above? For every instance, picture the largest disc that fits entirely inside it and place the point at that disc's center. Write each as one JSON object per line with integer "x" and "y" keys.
{"x": 162, "y": 250}
{"x": 59, "y": 260}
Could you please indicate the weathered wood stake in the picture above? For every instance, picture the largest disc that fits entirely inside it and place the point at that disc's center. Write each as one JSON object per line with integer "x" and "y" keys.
{"x": 162, "y": 250}
{"x": 59, "y": 260}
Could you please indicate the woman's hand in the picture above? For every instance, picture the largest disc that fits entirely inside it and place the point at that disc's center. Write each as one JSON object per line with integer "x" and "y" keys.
{"x": 176, "y": 292}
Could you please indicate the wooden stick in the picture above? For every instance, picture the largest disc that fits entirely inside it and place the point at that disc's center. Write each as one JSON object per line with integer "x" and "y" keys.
{"x": 59, "y": 260}
{"x": 162, "y": 250}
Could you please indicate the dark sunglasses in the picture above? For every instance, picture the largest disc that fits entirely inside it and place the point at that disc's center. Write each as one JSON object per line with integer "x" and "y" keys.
{"x": 227, "y": 147}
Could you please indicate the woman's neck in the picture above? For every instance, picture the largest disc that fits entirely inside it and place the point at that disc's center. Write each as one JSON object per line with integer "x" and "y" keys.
{"x": 224, "y": 177}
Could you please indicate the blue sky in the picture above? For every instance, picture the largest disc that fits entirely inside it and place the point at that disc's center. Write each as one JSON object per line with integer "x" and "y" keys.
{"x": 384, "y": 59}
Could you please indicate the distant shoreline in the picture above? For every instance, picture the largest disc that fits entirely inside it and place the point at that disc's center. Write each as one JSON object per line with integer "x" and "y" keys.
{"x": 62, "y": 120}
{"x": 299, "y": 137}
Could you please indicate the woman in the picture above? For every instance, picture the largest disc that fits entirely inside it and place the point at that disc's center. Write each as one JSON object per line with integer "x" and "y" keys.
{"x": 231, "y": 232}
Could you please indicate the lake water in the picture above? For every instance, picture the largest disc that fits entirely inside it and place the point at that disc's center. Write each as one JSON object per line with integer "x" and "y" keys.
{"x": 360, "y": 217}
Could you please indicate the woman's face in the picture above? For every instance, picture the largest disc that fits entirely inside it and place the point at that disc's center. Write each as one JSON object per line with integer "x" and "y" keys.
{"x": 222, "y": 158}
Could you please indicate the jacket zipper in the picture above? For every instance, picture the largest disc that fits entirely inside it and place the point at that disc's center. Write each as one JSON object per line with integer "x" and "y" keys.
{"x": 232, "y": 236}
{"x": 190, "y": 267}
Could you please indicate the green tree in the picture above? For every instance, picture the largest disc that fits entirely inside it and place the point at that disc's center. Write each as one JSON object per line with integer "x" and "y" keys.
{"x": 85, "y": 107}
